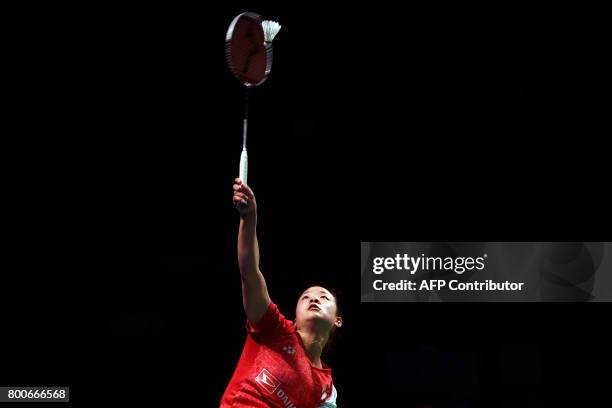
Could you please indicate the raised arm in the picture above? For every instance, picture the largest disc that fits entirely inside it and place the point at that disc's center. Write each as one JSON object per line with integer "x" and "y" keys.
{"x": 255, "y": 298}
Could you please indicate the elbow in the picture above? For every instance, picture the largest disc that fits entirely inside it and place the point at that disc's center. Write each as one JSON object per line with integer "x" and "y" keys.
{"x": 249, "y": 273}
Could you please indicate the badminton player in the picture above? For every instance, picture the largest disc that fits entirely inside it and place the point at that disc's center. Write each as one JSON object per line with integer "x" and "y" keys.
{"x": 281, "y": 364}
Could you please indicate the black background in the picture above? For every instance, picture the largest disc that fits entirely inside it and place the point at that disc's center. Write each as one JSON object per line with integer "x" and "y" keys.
{"x": 121, "y": 278}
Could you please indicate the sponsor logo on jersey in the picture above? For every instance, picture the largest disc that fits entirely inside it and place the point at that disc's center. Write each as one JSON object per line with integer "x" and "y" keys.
{"x": 272, "y": 385}
{"x": 268, "y": 382}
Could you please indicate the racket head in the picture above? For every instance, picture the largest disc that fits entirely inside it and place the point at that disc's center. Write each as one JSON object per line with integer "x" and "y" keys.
{"x": 249, "y": 58}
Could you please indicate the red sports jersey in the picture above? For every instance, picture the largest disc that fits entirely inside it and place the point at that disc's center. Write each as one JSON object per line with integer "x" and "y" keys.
{"x": 274, "y": 370}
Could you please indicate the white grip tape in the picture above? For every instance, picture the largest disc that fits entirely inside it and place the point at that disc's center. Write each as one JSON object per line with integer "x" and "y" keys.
{"x": 244, "y": 166}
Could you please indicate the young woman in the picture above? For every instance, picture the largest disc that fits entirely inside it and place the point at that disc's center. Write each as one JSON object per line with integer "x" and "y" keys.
{"x": 281, "y": 364}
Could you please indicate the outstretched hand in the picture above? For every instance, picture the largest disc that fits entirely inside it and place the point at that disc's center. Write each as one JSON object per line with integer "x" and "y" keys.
{"x": 244, "y": 199}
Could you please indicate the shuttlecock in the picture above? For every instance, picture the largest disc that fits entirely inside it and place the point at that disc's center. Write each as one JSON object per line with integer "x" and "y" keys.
{"x": 271, "y": 28}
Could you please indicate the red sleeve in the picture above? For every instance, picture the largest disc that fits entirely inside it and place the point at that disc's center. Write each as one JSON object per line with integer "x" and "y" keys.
{"x": 272, "y": 325}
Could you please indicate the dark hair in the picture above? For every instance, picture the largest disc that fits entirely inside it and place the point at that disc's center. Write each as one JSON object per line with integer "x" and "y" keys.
{"x": 334, "y": 336}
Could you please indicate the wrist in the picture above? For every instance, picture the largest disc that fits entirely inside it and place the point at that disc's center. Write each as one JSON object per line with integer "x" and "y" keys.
{"x": 250, "y": 218}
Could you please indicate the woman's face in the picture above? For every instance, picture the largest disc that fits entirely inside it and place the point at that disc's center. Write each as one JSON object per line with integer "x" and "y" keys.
{"x": 317, "y": 305}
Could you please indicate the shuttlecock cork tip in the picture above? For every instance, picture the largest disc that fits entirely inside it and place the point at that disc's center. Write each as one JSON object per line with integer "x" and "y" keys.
{"x": 271, "y": 28}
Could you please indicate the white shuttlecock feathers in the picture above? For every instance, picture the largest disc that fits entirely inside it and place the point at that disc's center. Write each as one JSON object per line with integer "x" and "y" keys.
{"x": 271, "y": 28}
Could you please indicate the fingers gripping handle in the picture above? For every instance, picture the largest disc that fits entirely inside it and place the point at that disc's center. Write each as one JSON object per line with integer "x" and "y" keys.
{"x": 244, "y": 165}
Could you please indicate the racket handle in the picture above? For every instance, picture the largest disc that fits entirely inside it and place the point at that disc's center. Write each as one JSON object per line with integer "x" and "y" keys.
{"x": 244, "y": 165}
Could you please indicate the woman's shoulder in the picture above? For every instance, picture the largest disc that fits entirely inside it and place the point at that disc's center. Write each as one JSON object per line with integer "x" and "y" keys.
{"x": 272, "y": 324}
